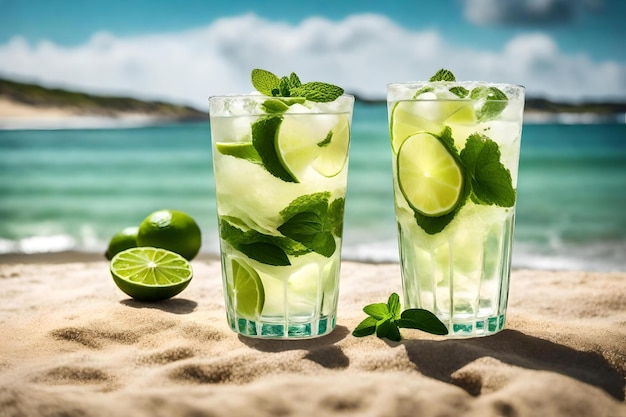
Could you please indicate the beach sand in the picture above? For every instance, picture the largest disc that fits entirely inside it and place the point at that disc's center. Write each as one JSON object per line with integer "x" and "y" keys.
{"x": 72, "y": 344}
{"x": 16, "y": 115}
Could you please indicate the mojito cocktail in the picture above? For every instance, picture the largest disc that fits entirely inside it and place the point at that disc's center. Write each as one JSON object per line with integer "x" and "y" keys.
{"x": 281, "y": 167}
{"x": 455, "y": 162}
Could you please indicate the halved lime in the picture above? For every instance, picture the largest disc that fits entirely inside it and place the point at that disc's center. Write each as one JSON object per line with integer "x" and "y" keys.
{"x": 247, "y": 292}
{"x": 243, "y": 150}
{"x": 429, "y": 177}
{"x": 150, "y": 274}
{"x": 320, "y": 142}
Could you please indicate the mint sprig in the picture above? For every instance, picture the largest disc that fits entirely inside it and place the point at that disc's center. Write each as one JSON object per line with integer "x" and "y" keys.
{"x": 271, "y": 85}
{"x": 386, "y": 320}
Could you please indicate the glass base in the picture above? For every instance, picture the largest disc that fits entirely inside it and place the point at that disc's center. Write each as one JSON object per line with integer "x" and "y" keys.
{"x": 474, "y": 328}
{"x": 274, "y": 330}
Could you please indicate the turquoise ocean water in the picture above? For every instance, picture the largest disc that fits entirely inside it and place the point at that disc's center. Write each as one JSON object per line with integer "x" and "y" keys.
{"x": 72, "y": 189}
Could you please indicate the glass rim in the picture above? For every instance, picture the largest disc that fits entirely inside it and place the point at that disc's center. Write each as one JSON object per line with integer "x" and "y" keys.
{"x": 455, "y": 83}
{"x": 264, "y": 97}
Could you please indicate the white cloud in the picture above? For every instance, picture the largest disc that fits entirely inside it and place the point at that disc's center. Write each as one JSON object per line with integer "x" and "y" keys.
{"x": 361, "y": 53}
{"x": 525, "y": 12}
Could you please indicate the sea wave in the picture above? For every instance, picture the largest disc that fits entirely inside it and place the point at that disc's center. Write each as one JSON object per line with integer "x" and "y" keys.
{"x": 596, "y": 256}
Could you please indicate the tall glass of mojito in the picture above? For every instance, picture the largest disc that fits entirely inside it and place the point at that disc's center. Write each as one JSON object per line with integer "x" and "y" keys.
{"x": 280, "y": 160}
{"x": 455, "y": 162}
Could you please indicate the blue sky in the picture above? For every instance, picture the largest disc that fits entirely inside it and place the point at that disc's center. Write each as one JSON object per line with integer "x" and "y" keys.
{"x": 186, "y": 50}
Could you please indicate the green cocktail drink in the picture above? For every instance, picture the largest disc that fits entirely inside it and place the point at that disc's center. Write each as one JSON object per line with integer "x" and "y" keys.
{"x": 455, "y": 162}
{"x": 281, "y": 167}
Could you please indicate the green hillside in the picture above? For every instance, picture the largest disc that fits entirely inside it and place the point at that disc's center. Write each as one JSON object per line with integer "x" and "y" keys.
{"x": 83, "y": 103}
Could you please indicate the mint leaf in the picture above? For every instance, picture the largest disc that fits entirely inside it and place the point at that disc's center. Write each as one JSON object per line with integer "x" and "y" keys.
{"x": 443, "y": 75}
{"x": 317, "y": 91}
{"x": 422, "y": 90}
{"x": 378, "y": 310}
{"x": 459, "y": 91}
{"x": 258, "y": 246}
{"x": 326, "y": 140}
{"x": 284, "y": 88}
{"x": 317, "y": 203}
{"x": 294, "y": 80}
{"x": 311, "y": 221}
{"x": 335, "y": 216}
{"x": 387, "y": 328}
{"x": 491, "y": 181}
{"x": 308, "y": 229}
{"x": 274, "y": 105}
{"x": 365, "y": 328}
{"x": 266, "y": 253}
{"x": 495, "y": 102}
{"x": 264, "y": 132}
{"x": 393, "y": 305}
{"x": 417, "y": 318}
{"x": 264, "y": 81}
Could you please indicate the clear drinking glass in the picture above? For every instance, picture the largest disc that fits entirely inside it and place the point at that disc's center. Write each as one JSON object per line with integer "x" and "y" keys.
{"x": 455, "y": 163}
{"x": 281, "y": 168}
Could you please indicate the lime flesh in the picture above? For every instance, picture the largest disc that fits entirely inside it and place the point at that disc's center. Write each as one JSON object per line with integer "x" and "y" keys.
{"x": 247, "y": 292}
{"x": 150, "y": 274}
{"x": 305, "y": 142}
{"x": 429, "y": 177}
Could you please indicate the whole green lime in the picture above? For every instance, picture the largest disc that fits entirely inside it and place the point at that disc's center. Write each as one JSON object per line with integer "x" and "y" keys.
{"x": 172, "y": 230}
{"x": 122, "y": 240}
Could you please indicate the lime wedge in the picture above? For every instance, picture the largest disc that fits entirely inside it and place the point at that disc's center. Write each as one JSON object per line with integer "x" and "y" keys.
{"x": 150, "y": 274}
{"x": 407, "y": 119}
{"x": 247, "y": 292}
{"x": 410, "y": 117}
{"x": 429, "y": 177}
{"x": 320, "y": 142}
{"x": 243, "y": 150}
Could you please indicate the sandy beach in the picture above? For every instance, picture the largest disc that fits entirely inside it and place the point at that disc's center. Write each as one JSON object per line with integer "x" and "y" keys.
{"x": 72, "y": 344}
{"x": 16, "y": 115}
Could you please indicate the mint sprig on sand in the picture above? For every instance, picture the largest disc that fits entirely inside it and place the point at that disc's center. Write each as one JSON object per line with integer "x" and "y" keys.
{"x": 271, "y": 85}
{"x": 386, "y": 320}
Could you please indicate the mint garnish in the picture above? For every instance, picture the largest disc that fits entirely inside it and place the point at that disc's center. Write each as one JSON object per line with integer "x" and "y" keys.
{"x": 271, "y": 85}
{"x": 460, "y": 92}
{"x": 495, "y": 102}
{"x": 386, "y": 320}
{"x": 491, "y": 181}
{"x": 443, "y": 75}
{"x": 265, "y": 82}
{"x": 311, "y": 221}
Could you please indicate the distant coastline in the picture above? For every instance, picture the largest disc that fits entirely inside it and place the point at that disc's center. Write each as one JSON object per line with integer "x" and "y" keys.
{"x": 32, "y": 106}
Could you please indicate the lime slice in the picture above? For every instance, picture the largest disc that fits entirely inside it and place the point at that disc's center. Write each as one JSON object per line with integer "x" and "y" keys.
{"x": 410, "y": 117}
{"x": 429, "y": 177}
{"x": 243, "y": 150}
{"x": 150, "y": 274}
{"x": 407, "y": 119}
{"x": 247, "y": 292}
{"x": 320, "y": 142}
